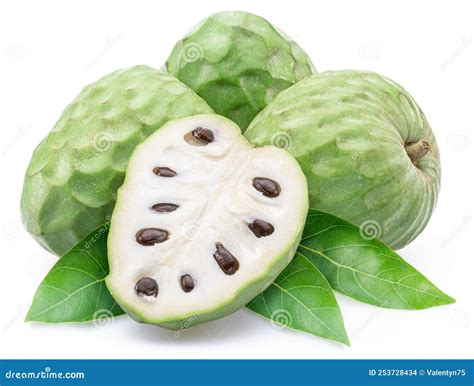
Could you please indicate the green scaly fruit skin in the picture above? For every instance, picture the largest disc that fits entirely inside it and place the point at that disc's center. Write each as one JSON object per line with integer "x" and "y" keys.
{"x": 349, "y": 131}
{"x": 238, "y": 62}
{"x": 72, "y": 179}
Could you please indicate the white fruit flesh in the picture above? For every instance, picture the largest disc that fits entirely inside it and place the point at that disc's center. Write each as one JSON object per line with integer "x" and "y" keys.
{"x": 216, "y": 199}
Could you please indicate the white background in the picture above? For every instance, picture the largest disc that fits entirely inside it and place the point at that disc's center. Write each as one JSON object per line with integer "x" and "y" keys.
{"x": 50, "y": 49}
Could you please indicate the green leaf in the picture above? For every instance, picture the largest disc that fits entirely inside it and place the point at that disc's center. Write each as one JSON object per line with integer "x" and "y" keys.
{"x": 74, "y": 290}
{"x": 363, "y": 268}
{"x": 302, "y": 299}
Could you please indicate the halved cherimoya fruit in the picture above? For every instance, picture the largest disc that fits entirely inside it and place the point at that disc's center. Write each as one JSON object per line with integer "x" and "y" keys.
{"x": 203, "y": 223}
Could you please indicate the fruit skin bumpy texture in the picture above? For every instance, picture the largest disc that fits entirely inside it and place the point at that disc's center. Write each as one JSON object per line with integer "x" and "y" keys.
{"x": 238, "y": 62}
{"x": 71, "y": 181}
{"x": 203, "y": 223}
{"x": 351, "y": 132}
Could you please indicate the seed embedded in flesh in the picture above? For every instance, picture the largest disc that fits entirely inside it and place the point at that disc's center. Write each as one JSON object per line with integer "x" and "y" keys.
{"x": 261, "y": 228}
{"x": 267, "y": 187}
{"x": 164, "y": 172}
{"x": 187, "y": 283}
{"x": 199, "y": 137}
{"x": 151, "y": 236}
{"x": 226, "y": 260}
{"x": 146, "y": 286}
{"x": 164, "y": 207}
{"x": 204, "y": 135}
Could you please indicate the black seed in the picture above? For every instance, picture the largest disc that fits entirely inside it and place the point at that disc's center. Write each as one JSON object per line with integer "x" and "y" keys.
{"x": 203, "y": 135}
{"x": 164, "y": 172}
{"x": 268, "y": 187}
{"x": 226, "y": 260}
{"x": 187, "y": 283}
{"x": 164, "y": 207}
{"x": 146, "y": 286}
{"x": 199, "y": 137}
{"x": 261, "y": 228}
{"x": 151, "y": 236}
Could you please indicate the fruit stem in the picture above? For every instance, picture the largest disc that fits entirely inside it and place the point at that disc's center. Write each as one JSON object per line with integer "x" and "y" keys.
{"x": 417, "y": 150}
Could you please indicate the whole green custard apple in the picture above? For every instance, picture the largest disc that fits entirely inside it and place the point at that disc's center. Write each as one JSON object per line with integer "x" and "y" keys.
{"x": 72, "y": 179}
{"x": 238, "y": 62}
{"x": 365, "y": 146}
{"x": 204, "y": 222}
